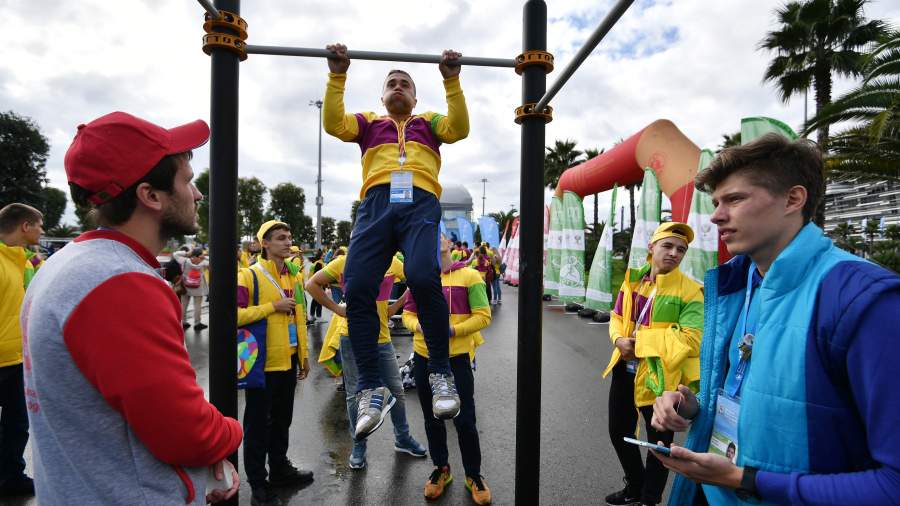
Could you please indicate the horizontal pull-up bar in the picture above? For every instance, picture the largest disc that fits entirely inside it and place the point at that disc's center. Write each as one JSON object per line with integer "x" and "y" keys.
{"x": 210, "y": 8}
{"x": 379, "y": 55}
{"x": 595, "y": 38}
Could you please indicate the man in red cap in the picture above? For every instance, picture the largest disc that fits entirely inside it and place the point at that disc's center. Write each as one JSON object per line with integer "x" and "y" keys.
{"x": 116, "y": 414}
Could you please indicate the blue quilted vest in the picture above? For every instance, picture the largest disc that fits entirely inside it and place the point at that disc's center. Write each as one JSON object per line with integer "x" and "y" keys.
{"x": 772, "y": 427}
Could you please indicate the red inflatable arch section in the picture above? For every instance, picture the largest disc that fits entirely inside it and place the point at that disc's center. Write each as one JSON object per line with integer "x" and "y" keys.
{"x": 661, "y": 146}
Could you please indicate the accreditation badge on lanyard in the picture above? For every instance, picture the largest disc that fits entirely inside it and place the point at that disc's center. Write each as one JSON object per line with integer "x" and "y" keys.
{"x": 632, "y": 365}
{"x": 402, "y": 180}
{"x": 724, "y": 440}
{"x": 292, "y": 326}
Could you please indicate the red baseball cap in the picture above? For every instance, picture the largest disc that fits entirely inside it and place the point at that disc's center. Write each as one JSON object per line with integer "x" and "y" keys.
{"x": 115, "y": 151}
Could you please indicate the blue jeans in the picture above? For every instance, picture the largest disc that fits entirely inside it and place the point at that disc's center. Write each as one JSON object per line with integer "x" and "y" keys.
{"x": 337, "y": 295}
{"x": 495, "y": 287}
{"x": 389, "y": 372}
{"x": 381, "y": 229}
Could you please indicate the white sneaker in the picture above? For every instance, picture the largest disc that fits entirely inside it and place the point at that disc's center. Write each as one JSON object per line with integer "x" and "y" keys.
{"x": 444, "y": 399}
{"x": 373, "y": 405}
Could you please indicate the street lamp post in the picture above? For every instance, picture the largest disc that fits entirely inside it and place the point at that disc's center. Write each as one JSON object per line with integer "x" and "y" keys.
{"x": 484, "y": 183}
{"x": 319, "y": 200}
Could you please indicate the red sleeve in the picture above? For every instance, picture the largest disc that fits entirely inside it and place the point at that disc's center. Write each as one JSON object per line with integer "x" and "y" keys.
{"x": 126, "y": 339}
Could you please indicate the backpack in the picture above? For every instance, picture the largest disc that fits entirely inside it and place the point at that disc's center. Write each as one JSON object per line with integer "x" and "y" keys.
{"x": 192, "y": 279}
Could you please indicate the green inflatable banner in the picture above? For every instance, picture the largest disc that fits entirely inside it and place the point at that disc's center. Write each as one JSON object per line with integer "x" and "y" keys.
{"x": 599, "y": 294}
{"x": 647, "y": 221}
{"x": 554, "y": 248}
{"x": 571, "y": 258}
{"x": 703, "y": 253}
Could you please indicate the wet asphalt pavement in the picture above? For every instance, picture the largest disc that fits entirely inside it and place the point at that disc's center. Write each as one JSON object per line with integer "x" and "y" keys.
{"x": 578, "y": 463}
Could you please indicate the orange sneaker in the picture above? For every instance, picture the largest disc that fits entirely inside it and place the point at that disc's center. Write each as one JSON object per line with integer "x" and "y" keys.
{"x": 439, "y": 479}
{"x": 481, "y": 494}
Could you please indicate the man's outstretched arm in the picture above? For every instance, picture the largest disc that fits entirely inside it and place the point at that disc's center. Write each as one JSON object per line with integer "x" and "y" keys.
{"x": 335, "y": 121}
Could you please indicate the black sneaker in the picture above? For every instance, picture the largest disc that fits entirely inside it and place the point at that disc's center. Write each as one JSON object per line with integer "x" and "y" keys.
{"x": 287, "y": 475}
{"x": 23, "y": 486}
{"x": 624, "y": 497}
{"x": 261, "y": 496}
{"x": 185, "y": 325}
{"x": 200, "y": 326}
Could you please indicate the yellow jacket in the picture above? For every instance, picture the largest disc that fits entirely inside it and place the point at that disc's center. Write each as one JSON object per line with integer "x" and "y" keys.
{"x": 667, "y": 342}
{"x": 278, "y": 347}
{"x": 16, "y": 271}
{"x": 470, "y": 311}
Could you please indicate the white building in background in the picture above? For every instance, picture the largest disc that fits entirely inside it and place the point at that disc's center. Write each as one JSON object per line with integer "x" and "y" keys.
{"x": 854, "y": 200}
{"x": 456, "y": 201}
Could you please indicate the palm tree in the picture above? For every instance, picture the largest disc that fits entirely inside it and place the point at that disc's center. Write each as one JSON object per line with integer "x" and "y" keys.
{"x": 871, "y": 147}
{"x": 559, "y": 158}
{"x": 729, "y": 140}
{"x": 815, "y": 39}
{"x": 503, "y": 218}
{"x": 590, "y": 153}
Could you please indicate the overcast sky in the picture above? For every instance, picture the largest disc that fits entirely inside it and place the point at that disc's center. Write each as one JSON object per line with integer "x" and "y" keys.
{"x": 693, "y": 62}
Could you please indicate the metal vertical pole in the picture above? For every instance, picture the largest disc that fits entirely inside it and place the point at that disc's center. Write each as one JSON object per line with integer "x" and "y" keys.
{"x": 484, "y": 183}
{"x": 223, "y": 162}
{"x": 531, "y": 249}
{"x": 319, "y": 200}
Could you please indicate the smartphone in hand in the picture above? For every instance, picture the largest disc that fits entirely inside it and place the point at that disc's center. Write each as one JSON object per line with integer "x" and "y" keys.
{"x": 661, "y": 449}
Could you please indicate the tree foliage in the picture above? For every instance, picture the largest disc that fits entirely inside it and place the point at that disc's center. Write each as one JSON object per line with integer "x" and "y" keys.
{"x": 354, "y": 207}
{"x": 251, "y": 195}
{"x": 287, "y": 202}
{"x": 54, "y": 205}
{"x": 729, "y": 140}
{"x": 344, "y": 228}
{"x": 504, "y": 218}
{"x": 559, "y": 158}
{"x": 815, "y": 39}
{"x": 23, "y": 157}
{"x": 328, "y": 230}
{"x": 871, "y": 145}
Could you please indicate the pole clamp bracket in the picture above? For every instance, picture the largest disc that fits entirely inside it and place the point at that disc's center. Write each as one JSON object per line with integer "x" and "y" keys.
{"x": 219, "y": 34}
{"x": 534, "y": 57}
{"x": 527, "y": 111}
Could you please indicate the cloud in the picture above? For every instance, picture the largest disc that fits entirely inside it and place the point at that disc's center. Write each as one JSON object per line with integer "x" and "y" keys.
{"x": 696, "y": 63}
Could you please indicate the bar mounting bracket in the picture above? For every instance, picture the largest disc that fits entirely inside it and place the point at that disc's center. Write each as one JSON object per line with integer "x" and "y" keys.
{"x": 229, "y": 32}
{"x": 528, "y": 111}
{"x": 534, "y": 57}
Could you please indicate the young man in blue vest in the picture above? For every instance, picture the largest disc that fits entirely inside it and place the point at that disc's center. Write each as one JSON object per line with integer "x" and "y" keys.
{"x": 797, "y": 403}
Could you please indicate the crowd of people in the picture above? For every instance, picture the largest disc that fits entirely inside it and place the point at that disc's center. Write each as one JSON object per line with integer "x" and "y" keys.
{"x": 777, "y": 366}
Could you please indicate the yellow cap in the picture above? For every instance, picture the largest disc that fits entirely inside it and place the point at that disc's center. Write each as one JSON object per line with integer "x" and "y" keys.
{"x": 673, "y": 229}
{"x": 266, "y": 226}
{"x": 295, "y": 249}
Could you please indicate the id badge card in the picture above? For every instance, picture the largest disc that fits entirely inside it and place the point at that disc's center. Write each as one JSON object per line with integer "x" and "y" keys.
{"x": 724, "y": 436}
{"x": 292, "y": 333}
{"x": 631, "y": 366}
{"x": 401, "y": 187}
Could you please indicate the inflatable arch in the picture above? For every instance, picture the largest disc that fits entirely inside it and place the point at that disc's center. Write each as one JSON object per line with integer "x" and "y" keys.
{"x": 660, "y": 146}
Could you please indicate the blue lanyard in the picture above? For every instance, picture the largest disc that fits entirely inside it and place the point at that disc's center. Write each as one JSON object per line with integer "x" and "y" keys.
{"x": 747, "y": 338}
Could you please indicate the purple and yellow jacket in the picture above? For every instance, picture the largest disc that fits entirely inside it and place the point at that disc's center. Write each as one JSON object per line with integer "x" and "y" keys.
{"x": 381, "y": 139}
{"x": 470, "y": 311}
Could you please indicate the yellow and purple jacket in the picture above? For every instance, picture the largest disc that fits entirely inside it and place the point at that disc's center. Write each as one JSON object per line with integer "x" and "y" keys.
{"x": 17, "y": 266}
{"x": 470, "y": 311}
{"x": 667, "y": 340}
{"x": 382, "y": 140}
{"x": 278, "y": 346}
{"x": 338, "y": 325}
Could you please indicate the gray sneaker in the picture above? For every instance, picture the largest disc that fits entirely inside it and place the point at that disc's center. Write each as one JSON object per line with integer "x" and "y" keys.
{"x": 372, "y": 407}
{"x": 444, "y": 399}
